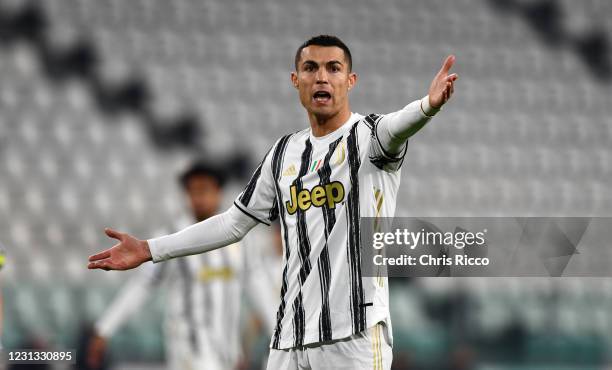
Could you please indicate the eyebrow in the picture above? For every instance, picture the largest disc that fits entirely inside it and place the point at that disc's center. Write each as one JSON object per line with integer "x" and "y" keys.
{"x": 312, "y": 62}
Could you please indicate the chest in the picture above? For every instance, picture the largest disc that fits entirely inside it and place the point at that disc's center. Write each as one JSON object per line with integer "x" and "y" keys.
{"x": 316, "y": 175}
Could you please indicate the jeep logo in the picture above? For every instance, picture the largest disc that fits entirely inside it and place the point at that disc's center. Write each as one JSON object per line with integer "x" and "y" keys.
{"x": 331, "y": 194}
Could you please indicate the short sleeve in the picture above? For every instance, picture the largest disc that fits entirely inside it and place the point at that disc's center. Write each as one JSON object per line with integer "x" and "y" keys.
{"x": 258, "y": 199}
{"x": 378, "y": 155}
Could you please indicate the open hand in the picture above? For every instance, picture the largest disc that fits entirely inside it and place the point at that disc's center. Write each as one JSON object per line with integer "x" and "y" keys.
{"x": 442, "y": 86}
{"x": 127, "y": 254}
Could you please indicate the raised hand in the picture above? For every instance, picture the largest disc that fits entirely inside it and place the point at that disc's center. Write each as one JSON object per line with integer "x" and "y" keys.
{"x": 127, "y": 254}
{"x": 442, "y": 86}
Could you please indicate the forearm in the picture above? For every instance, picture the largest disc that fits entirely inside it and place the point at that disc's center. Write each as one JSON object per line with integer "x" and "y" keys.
{"x": 130, "y": 298}
{"x": 395, "y": 128}
{"x": 215, "y": 232}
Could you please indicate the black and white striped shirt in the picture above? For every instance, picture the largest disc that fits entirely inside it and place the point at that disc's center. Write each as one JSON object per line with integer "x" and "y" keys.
{"x": 319, "y": 187}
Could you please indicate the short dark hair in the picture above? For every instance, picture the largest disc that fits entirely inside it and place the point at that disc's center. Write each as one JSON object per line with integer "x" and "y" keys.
{"x": 203, "y": 168}
{"x": 325, "y": 40}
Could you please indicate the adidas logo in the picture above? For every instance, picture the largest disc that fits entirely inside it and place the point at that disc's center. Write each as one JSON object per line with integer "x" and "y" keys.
{"x": 290, "y": 171}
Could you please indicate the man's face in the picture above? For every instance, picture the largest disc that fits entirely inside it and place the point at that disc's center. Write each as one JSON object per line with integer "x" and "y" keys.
{"x": 204, "y": 195}
{"x": 323, "y": 80}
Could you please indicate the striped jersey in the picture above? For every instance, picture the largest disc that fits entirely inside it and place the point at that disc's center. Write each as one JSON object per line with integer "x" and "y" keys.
{"x": 202, "y": 316}
{"x": 319, "y": 187}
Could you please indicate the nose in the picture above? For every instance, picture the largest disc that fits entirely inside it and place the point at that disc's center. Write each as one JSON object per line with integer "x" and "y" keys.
{"x": 321, "y": 76}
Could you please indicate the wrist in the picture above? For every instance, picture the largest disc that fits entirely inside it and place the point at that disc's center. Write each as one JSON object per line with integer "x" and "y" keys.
{"x": 146, "y": 251}
{"x": 427, "y": 109}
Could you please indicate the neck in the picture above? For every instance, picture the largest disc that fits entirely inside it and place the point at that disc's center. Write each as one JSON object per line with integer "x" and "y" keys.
{"x": 323, "y": 125}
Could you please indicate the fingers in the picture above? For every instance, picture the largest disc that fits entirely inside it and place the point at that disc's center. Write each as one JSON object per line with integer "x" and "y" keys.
{"x": 103, "y": 260}
{"x": 100, "y": 256}
{"x": 448, "y": 91}
{"x": 448, "y": 63}
{"x": 104, "y": 264}
{"x": 97, "y": 265}
{"x": 113, "y": 234}
{"x": 443, "y": 86}
{"x": 450, "y": 86}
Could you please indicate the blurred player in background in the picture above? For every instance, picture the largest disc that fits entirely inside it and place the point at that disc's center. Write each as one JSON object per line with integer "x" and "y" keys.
{"x": 202, "y": 324}
{"x": 319, "y": 182}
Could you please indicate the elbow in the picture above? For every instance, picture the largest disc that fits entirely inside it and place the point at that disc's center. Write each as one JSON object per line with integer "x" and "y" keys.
{"x": 236, "y": 233}
{"x": 238, "y": 224}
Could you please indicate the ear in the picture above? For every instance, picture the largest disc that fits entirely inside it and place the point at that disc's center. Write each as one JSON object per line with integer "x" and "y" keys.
{"x": 294, "y": 80}
{"x": 352, "y": 80}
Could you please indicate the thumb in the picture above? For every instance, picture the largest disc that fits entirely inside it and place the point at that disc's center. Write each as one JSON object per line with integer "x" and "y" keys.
{"x": 113, "y": 234}
{"x": 448, "y": 63}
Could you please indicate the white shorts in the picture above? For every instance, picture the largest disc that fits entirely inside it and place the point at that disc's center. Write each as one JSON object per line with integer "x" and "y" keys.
{"x": 369, "y": 350}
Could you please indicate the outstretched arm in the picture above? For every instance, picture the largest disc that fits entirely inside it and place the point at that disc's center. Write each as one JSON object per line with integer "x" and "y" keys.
{"x": 397, "y": 127}
{"x": 213, "y": 233}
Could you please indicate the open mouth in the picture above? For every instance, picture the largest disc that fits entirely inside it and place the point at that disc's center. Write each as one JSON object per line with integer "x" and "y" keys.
{"x": 321, "y": 96}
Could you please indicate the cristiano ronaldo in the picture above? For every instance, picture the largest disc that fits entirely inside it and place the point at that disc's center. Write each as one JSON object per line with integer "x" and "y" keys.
{"x": 318, "y": 182}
